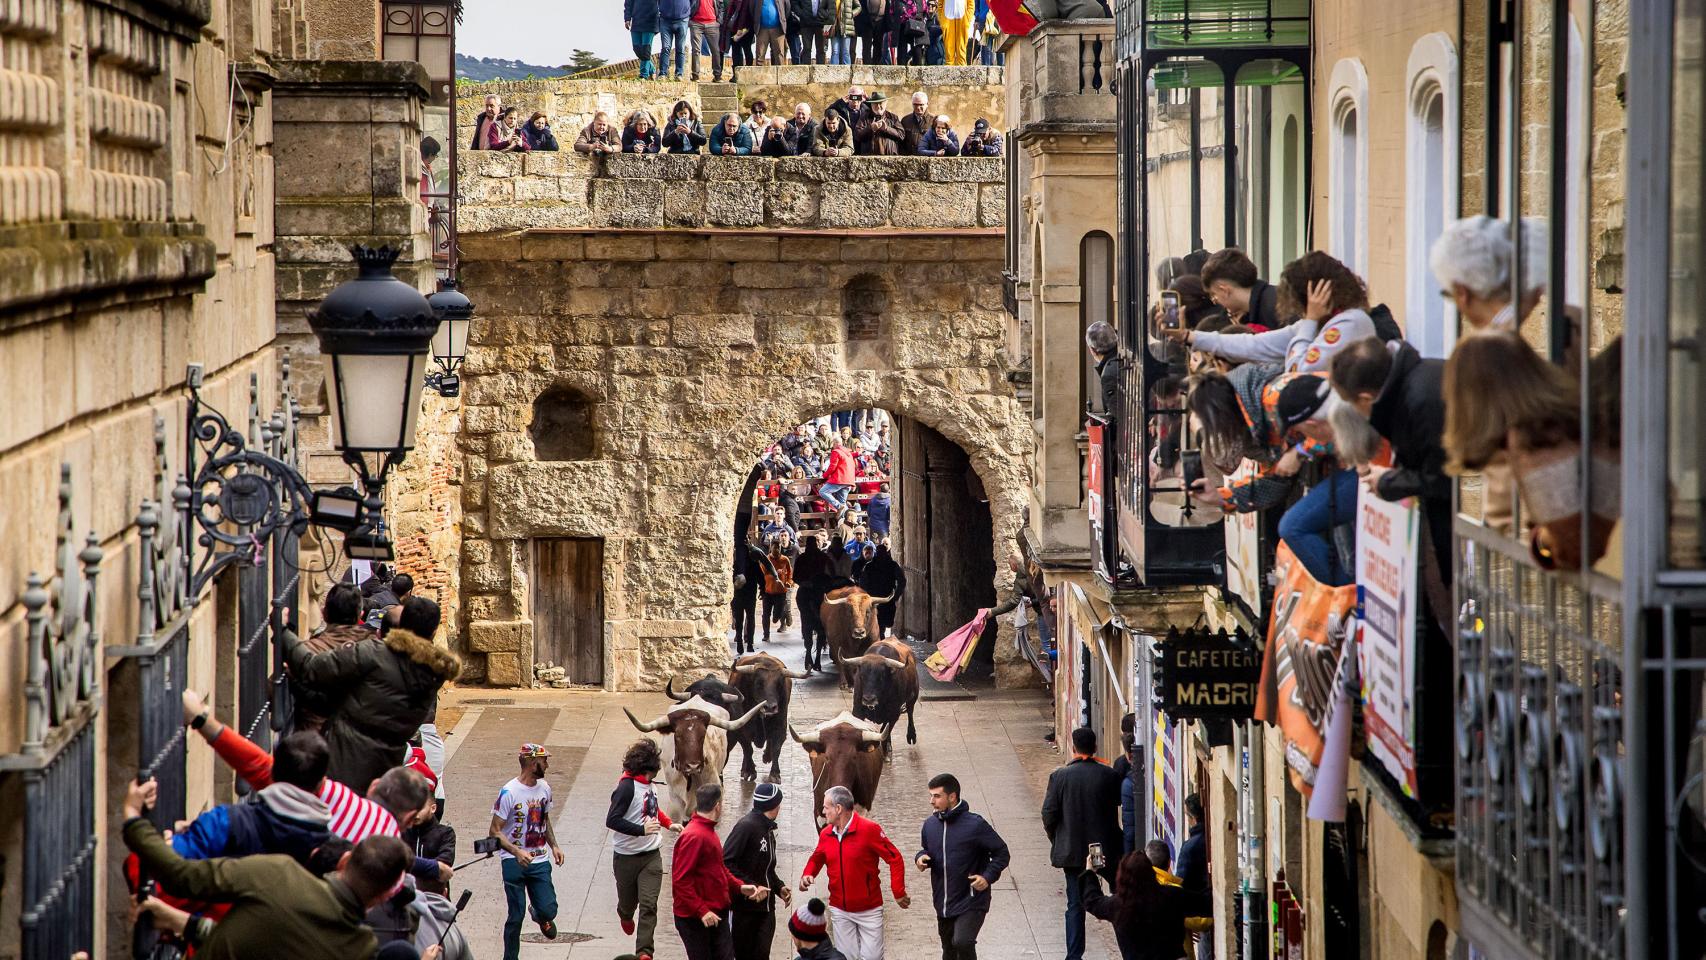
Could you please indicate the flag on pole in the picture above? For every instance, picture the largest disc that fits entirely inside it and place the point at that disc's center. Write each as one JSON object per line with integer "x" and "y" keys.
{"x": 1014, "y": 16}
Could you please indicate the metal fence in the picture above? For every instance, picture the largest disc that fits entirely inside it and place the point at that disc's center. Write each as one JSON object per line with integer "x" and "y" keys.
{"x": 1540, "y": 753}
{"x": 58, "y": 918}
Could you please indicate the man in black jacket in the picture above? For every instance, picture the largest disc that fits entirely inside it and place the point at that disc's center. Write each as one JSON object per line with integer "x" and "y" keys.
{"x": 964, "y": 856}
{"x": 750, "y": 854}
{"x": 1231, "y": 281}
{"x": 882, "y": 577}
{"x": 1081, "y": 808}
{"x": 808, "y": 29}
{"x": 813, "y": 573}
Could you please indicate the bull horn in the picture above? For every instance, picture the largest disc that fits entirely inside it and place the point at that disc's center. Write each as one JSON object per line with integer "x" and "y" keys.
{"x": 645, "y": 727}
{"x": 813, "y": 739}
{"x": 850, "y": 661}
{"x": 875, "y": 736}
{"x": 838, "y": 600}
{"x": 791, "y": 675}
{"x": 746, "y": 668}
{"x": 895, "y": 663}
{"x": 733, "y": 697}
{"x": 887, "y": 599}
{"x": 737, "y": 724}
{"x": 669, "y": 689}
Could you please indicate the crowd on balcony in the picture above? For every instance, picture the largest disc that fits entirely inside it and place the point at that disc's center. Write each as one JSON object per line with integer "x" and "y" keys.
{"x": 350, "y": 796}
{"x": 1301, "y": 395}
{"x": 744, "y": 33}
{"x": 855, "y": 125}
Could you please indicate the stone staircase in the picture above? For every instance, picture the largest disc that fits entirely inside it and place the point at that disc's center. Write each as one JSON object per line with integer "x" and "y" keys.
{"x": 717, "y": 99}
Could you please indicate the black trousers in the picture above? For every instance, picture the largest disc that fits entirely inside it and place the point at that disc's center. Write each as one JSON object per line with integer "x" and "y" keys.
{"x": 806, "y": 42}
{"x": 959, "y": 934}
{"x": 886, "y": 614}
{"x": 773, "y": 604}
{"x": 705, "y": 943}
{"x": 745, "y": 607}
{"x": 753, "y": 932}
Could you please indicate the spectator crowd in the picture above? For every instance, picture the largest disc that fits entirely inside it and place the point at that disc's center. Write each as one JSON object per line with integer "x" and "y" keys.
{"x": 858, "y": 124}
{"x": 748, "y": 32}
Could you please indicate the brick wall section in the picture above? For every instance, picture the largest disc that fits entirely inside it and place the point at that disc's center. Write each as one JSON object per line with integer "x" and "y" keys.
{"x": 506, "y": 191}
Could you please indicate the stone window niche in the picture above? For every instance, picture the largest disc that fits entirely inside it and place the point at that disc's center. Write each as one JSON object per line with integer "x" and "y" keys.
{"x": 563, "y": 426}
{"x": 865, "y": 302}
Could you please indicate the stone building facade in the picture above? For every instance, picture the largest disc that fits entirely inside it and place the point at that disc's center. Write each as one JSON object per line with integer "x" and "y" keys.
{"x": 146, "y": 149}
{"x": 685, "y": 312}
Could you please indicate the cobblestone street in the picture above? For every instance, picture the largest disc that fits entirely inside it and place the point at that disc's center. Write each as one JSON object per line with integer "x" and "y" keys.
{"x": 993, "y": 743}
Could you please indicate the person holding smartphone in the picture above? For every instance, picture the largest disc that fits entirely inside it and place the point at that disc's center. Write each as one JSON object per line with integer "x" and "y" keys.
{"x": 1081, "y": 811}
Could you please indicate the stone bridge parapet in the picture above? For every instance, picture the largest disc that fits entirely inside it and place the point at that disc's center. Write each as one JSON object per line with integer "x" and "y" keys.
{"x": 505, "y": 191}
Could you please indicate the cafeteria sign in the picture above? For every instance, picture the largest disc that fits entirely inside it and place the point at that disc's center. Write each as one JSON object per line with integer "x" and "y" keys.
{"x": 1207, "y": 675}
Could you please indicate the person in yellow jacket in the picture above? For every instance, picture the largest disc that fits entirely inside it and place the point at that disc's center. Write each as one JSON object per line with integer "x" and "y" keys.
{"x": 1161, "y": 858}
{"x": 957, "y": 18}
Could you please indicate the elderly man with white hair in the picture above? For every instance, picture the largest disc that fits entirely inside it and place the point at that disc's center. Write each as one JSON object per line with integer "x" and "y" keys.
{"x": 802, "y": 129}
{"x": 916, "y": 124}
{"x": 1472, "y": 262}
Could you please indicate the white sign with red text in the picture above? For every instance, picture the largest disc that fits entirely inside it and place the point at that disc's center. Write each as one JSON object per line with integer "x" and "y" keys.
{"x": 1387, "y": 541}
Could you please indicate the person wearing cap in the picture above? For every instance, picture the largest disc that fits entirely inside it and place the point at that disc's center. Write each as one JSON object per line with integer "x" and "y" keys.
{"x": 809, "y": 926}
{"x": 877, "y": 133}
{"x": 750, "y": 854}
{"x": 1238, "y": 416}
{"x": 702, "y": 885}
{"x": 964, "y": 857}
{"x": 637, "y": 822}
{"x": 982, "y": 141}
{"x": 1308, "y": 525}
{"x": 849, "y": 849}
{"x": 521, "y": 821}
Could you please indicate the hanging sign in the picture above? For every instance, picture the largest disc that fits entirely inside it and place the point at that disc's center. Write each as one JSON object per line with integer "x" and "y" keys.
{"x": 1301, "y": 662}
{"x": 1386, "y": 598}
{"x": 1098, "y": 496}
{"x": 1207, "y": 675}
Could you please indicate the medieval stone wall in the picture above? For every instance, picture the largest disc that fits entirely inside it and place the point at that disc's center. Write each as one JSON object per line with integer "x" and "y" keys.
{"x": 510, "y": 191}
{"x": 697, "y": 349}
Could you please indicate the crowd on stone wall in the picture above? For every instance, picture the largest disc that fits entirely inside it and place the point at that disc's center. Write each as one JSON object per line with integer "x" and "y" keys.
{"x": 855, "y": 125}
{"x": 748, "y": 32}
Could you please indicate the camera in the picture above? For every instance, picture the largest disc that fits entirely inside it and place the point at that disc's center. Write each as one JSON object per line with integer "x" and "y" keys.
{"x": 486, "y": 845}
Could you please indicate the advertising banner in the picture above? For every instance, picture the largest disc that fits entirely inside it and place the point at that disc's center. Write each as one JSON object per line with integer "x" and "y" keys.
{"x": 1098, "y": 499}
{"x": 1387, "y": 544}
{"x": 1305, "y": 637}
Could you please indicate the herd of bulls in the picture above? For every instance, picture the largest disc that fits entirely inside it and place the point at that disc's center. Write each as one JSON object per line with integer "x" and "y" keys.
{"x": 750, "y": 707}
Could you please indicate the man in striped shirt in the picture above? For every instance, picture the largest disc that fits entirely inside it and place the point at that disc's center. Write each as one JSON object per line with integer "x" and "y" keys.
{"x": 394, "y": 802}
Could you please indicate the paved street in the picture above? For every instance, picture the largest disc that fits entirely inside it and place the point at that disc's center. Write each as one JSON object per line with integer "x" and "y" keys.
{"x": 993, "y": 744}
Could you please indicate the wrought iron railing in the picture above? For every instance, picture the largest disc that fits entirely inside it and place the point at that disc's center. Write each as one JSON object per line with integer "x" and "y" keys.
{"x": 58, "y": 918}
{"x": 1539, "y": 753}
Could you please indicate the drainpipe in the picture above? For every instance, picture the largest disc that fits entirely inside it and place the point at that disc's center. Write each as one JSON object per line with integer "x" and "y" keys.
{"x": 1252, "y": 887}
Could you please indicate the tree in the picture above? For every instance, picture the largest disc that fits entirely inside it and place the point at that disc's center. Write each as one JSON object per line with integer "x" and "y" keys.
{"x": 583, "y": 60}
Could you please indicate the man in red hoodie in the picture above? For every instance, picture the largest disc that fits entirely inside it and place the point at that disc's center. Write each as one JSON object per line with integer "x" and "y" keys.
{"x": 838, "y": 476}
{"x": 703, "y": 886}
{"x": 850, "y": 847}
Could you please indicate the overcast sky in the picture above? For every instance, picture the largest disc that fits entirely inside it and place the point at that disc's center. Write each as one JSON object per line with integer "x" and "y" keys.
{"x": 544, "y": 32}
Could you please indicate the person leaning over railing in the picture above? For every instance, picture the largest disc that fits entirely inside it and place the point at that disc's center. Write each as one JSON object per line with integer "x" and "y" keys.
{"x": 729, "y": 138}
{"x": 834, "y": 137}
{"x": 940, "y": 140}
{"x": 599, "y": 136}
{"x": 682, "y": 132}
{"x": 640, "y": 135}
{"x": 982, "y": 141}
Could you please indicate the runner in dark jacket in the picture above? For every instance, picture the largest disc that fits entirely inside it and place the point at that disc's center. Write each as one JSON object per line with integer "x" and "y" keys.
{"x": 750, "y": 854}
{"x": 964, "y": 856}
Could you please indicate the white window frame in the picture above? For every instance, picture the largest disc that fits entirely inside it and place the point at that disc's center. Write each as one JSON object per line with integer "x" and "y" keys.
{"x": 1347, "y": 93}
{"x": 1431, "y": 72}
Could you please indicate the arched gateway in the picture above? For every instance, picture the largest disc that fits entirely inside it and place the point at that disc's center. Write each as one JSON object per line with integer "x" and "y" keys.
{"x": 693, "y": 348}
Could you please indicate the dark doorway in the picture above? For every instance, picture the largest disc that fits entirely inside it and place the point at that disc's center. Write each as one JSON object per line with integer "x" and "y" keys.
{"x": 568, "y": 607}
{"x": 944, "y": 541}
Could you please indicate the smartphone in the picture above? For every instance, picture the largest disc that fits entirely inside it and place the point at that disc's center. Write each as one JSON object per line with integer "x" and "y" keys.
{"x": 1098, "y": 859}
{"x": 1171, "y": 317}
{"x": 486, "y": 845}
{"x": 1190, "y": 467}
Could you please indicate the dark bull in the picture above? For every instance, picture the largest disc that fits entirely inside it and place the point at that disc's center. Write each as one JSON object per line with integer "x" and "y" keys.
{"x": 885, "y": 683}
{"x": 850, "y": 622}
{"x": 767, "y": 681}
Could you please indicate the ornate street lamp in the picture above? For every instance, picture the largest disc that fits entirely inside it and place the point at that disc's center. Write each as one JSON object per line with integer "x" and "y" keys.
{"x": 450, "y": 345}
{"x": 375, "y": 331}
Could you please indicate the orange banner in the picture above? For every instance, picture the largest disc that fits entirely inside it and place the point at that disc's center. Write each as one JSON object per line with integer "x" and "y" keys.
{"x": 1305, "y": 637}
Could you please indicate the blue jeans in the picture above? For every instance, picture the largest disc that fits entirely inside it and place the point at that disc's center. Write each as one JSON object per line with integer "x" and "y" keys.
{"x": 1128, "y": 813}
{"x": 840, "y": 50}
{"x": 835, "y": 494}
{"x": 675, "y": 38}
{"x": 1074, "y": 914}
{"x": 642, "y": 41}
{"x": 1308, "y": 528}
{"x": 521, "y": 884}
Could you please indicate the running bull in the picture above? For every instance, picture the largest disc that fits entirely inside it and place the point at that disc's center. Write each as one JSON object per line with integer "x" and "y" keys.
{"x": 765, "y": 680}
{"x": 845, "y": 751}
{"x": 850, "y": 622}
{"x": 695, "y": 750}
{"x": 885, "y": 684}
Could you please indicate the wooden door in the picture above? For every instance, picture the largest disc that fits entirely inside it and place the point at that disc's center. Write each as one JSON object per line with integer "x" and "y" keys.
{"x": 568, "y": 607}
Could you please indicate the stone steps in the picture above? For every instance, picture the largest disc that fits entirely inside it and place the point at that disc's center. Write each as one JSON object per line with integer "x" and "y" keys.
{"x": 717, "y": 99}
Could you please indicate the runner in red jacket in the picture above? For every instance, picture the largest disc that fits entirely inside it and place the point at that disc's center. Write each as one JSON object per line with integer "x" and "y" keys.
{"x": 850, "y": 848}
{"x": 702, "y": 886}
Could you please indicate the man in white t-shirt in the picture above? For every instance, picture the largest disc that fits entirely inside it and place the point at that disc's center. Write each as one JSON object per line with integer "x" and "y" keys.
{"x": 521, "y": 821}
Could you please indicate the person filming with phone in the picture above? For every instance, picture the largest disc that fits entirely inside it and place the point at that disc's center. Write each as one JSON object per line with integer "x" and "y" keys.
{"x": 1148, "y": 916}
{"x": 1081, "y": 815}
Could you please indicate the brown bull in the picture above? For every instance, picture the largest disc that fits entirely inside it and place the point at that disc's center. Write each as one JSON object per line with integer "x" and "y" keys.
{"x": 763, "y": 679}
{"x": 695, "y": 750}
{"x": 844, "y": 752}
{"x": 885, "y": 684}
{"x": 850, "y": 622}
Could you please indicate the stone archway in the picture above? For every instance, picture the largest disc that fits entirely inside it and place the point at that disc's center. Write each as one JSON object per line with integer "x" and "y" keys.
{"x": 695, "y": 351}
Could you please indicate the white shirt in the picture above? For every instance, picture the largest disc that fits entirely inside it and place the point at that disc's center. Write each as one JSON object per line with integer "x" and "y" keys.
{"x": 526, "y": 812}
